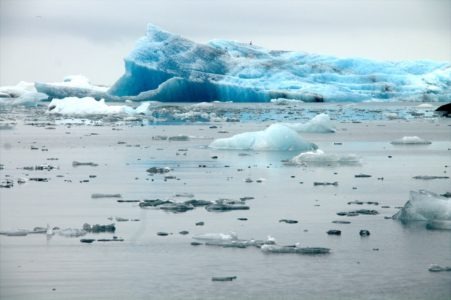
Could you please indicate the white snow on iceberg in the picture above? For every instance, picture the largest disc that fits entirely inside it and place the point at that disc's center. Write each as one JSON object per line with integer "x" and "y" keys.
{"x": 85, "y": 106}
{"x": 276, "y": 137}
{"x": 319, "y": 124}
{"x": 319, "y": 158}
{"x": 425, "y": 206}
{"x": 410, "y": 140}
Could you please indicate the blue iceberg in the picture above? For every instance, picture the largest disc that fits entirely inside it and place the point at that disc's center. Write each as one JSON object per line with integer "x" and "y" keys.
{"x": 167, "y": 67}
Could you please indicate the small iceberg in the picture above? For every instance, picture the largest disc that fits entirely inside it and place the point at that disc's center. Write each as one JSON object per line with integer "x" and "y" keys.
{"x": 410, "y": 140}
{"x": 319, "y": 124}
{"x": 276, "y": 137}
{"x": 320, "y": 159}
{"x": 426, "y": 206}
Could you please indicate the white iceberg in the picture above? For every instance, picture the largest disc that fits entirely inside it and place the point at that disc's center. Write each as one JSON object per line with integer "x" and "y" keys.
{"x": 410, "y": 140}
{"x": 73, "y": 86}
{"x": 425, "y": 206}
{"x": 86, "y": 106}
{"x": 276, "y": 137}
{"x": 23, "y": 94}
{"x": 319, "y": 158}
{"x": 319, "y": 124}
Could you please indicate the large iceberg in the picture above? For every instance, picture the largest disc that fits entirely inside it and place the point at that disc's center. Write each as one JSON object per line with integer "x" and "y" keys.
{"x": 276, "y": 137}
{"x": 167, "y": 67}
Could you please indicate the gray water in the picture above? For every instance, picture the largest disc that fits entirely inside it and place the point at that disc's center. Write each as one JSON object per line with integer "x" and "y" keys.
{"x": 392, "y": 263}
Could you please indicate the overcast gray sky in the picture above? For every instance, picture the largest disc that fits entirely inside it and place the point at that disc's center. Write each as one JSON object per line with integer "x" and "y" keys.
{"x": 45, "y": 40}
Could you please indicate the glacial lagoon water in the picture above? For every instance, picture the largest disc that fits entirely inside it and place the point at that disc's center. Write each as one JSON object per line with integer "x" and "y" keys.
{"x": 391, "y": 263}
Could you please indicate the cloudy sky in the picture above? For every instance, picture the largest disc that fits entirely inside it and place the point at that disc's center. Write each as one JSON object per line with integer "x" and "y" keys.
{"x": 45, "y": 40}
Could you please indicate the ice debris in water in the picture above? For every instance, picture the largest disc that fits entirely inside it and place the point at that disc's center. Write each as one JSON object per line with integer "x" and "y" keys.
{"x": 86, "y": 106}
{"x": 410, "y": 140}
{"x": 276, "y": 137}
{"x": 426, "y": 206}
{"x": 319, "y": 158}
{"x": 319, "y": 124}
{"x": 167, "y": 67}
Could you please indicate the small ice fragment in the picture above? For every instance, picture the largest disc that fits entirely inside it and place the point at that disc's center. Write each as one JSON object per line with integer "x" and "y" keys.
{"x": 410, "y": 140}
{"x": 319, "y": 158}
{"x": 77, "y": 164}
{"x": 226, "y": 278}
{"x": 99, "y": 195}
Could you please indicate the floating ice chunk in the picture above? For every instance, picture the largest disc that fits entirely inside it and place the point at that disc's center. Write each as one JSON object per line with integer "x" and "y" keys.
{"x": 17, "y": 90}
{"x": 425, "y": 106}
{"x": 319, "y": 158}
{"x": 143, "y": 108}
{"x": 72, "y": 86}
{"x": 85, "y": 106}
{"x": 294, "y": 249}
{"x": 276, "y": 137}
{"x": 319, "y": 124}
{"x": 411, "y": 140}
{"x": 437, "y": 268}
{"x": 425, "y": 206}
{"x": 15, "y": 232}
{"x": 284, "y": 101}
{"x": 216, "y": 236}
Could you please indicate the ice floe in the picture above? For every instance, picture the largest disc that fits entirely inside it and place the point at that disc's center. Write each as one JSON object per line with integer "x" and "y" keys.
{"x": 410, "y": 140}
{"x": 276, "y": 137}
{"x": 426, "y": 206}
{"x": 319, "y": 158}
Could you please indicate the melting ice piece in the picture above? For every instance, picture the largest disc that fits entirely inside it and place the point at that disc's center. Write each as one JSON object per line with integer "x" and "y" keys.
{"x": 425, "y": 206}
{"x": 294, "y": 249}
{"x": 276, "y": 137}
{"x": 319, "y": 158}
{"x": 411, "y": 140}
{"x": 319, "y": 124}
{"x": 85, "y": 106}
